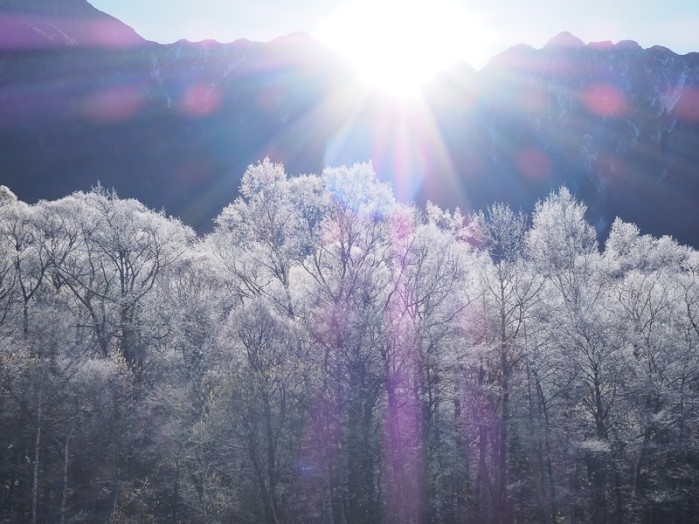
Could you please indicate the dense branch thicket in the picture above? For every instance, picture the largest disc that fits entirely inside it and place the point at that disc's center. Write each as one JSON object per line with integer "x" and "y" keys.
{"x": 327, "y": 354}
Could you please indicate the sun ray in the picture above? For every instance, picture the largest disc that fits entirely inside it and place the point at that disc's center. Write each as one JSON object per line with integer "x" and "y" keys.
{"x": 398, "y": 46}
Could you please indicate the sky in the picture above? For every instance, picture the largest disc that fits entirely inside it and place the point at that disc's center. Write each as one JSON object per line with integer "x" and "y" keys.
{"x": 671, "y": 23}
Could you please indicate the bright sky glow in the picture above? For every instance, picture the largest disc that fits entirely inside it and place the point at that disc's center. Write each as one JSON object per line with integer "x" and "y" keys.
{"x": 671, "y": 23}
{"x": 399, "y": 45}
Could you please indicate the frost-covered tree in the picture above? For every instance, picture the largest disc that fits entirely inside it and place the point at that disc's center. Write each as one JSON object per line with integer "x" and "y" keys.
{"x": 119, "y": 250}
{"x": 508, "y": 290}
{"x": 328, "y": 354}
{"x": 591, "y": 361}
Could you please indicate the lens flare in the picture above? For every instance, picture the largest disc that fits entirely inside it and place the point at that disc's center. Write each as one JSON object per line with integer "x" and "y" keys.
{"x": 399, "y": 46}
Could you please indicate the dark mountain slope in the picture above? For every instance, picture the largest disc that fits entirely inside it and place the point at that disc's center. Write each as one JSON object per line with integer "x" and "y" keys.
{"x": 37, "y": 24}
{"x": 617, "y": 123}
{"x": 176, "y": 125}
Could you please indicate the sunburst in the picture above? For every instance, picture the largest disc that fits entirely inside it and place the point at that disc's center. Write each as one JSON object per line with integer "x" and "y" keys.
{"x": 399, "y": 46}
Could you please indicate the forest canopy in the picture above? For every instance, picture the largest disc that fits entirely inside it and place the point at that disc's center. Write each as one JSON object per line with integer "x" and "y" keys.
{"x": 328, "y": 354}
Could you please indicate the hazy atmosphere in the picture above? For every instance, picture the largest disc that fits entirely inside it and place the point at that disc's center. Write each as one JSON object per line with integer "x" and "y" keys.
{"x": 372, "y": 262}
{"x": 505, "y": 23}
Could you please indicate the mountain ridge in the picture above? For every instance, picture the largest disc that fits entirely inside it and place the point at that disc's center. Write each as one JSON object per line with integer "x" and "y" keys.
{"x": 175, "y": 125}
{"x": 37, "y": 24}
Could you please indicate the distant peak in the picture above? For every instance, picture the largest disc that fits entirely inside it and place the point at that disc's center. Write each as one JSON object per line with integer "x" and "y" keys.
{"x": 37, "y": 24}
{"x": 622, "y": 45}
{"x": 564, "y": 39}
{"x": 65, "y": 8}
{"x": 602, "y": 45}
{"x": 629, "y": 44}
{"x": 517, "y": 56}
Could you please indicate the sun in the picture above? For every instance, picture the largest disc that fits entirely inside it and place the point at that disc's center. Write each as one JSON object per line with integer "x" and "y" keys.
{"x": 398, "y": 46}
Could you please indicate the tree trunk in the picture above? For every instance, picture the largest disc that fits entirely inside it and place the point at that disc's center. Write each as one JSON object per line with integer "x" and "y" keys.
{"x": 37, "y": 448}
{"x": 64, "y": 496}
{"x": 503, "y": 501}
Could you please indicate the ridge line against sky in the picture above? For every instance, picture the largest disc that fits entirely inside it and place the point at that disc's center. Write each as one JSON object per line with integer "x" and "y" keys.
{"x": 673, "y": 24}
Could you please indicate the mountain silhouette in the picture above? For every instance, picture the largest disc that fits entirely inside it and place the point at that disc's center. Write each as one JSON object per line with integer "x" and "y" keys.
{"x": 83, "y": 99}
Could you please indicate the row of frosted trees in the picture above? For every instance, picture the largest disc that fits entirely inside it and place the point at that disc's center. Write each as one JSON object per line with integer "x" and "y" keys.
{"x": 327, "y": 354}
